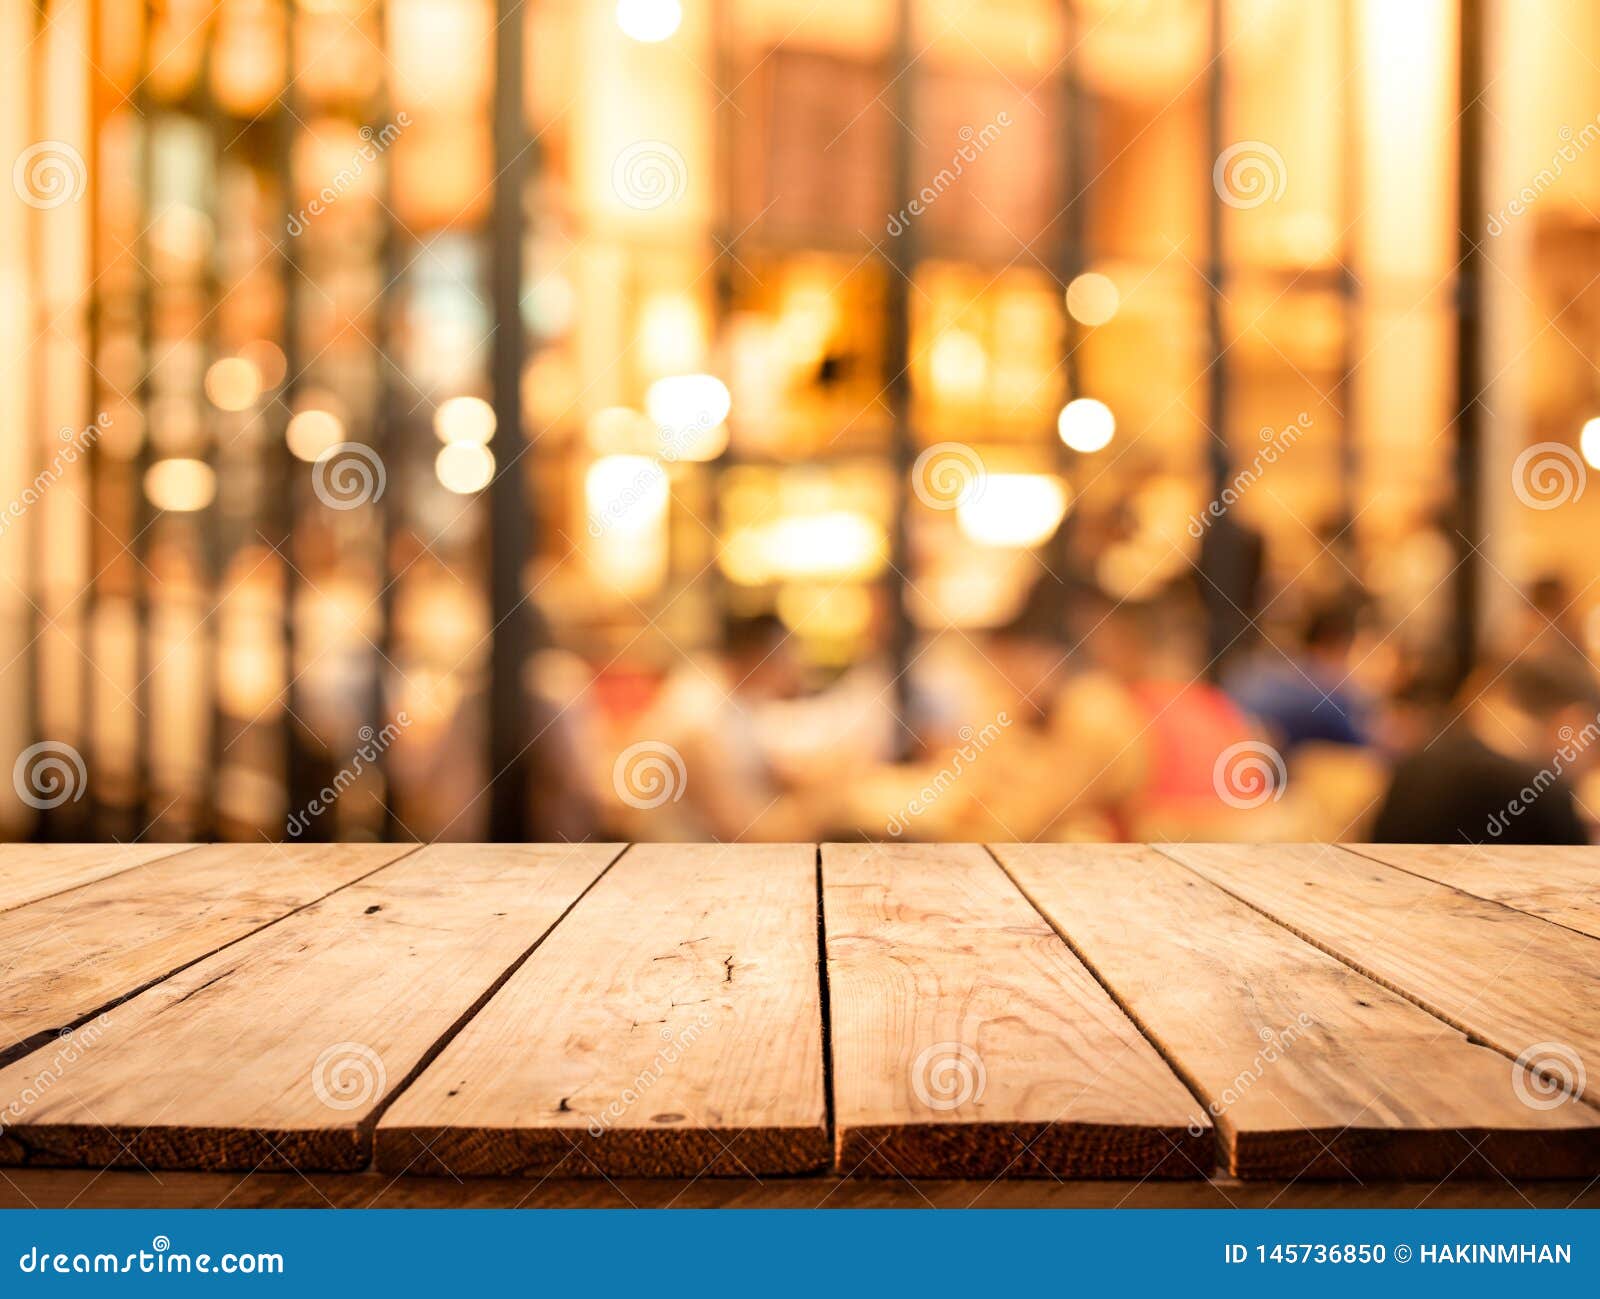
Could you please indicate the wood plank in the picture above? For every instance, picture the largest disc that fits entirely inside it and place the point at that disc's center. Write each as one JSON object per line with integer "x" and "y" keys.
{"x": 76, "y": 1188}
{"x": 1308, "y": 1067}
{"x": 1526, "y": 987}
{"x": 277, "y": 1051}
{"x": 1560, "y": 884}
{"x": 968, "y": 1041}
{"x": 671, "y": 1026}
{"x": 65, "y": 957}
{"x": 32, "y": 871}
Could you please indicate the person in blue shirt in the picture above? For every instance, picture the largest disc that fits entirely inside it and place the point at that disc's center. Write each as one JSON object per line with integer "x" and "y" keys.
{"x": 1306, "y": 696}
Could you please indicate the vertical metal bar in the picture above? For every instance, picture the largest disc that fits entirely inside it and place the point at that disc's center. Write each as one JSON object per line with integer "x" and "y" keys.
{"x": 387, "y": 429}
{"x": 44, "y": 824}
{"x": 1226, "y": 549}
{"x": 1350, "y": 160}
{"x": 1217, "y": 457}
{"x": 92, "y": 823}
{"x": 509, "y": 506}
{"x": 299, "y": 770}
{"x": 900, "y": 262}
{"x": 724, "y": 231}
{"x": 209, "y": 522}
{"x": 1470, "y": 333}
{"x": 143, "y": 516}
{"x": 1072, "y": 259}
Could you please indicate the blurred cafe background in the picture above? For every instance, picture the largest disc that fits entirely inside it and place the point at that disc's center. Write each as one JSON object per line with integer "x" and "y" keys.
{"x": 788, "y": 419}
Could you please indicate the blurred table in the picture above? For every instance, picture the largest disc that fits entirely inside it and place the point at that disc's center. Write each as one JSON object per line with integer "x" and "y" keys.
{"x": 785, "y": 1024}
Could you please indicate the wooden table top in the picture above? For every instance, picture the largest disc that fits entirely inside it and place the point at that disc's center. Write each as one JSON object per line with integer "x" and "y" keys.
{"x": 783, "y": 1024}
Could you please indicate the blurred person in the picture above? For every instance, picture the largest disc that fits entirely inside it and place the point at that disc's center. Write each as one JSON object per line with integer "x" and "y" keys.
{"x": 701, "y": 736}
{"x": 977, "y": 742}
{"x": 1547, "y": 626}
{"x": 1139, "y": 735}
{"x": 1233, "y": 556}
{"x": 1307, "y": 696}
{"x": 1503, "y": 770}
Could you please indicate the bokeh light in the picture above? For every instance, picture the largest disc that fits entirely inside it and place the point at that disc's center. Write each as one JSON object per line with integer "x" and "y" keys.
{"x": 1092, "y": 298}
{"x": 1014, "y": 510}
{"x": 464, "y": 467}
{"x": 649, "y": 21}
{"x": 311, "y": 433}
{"x": 180, "y": 486}
{"x": 233, "y": 383}
{"x": 1589, "y": 442}
{"x": 464, "y": 419}
{"x": 1086, "y": 424}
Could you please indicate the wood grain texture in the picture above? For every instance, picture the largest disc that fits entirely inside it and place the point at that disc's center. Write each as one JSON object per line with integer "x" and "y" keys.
{"x": 67, "y": 956}
{"x": 1526, "y": 987}
{"x": 1309, "y": 1068}
{"x": 968, "y": 1040}
{"x": 277, "y": 1051}
{"x": 32, "y": 871}
{"x": 1561, "y": 885}
{"x": 671, "y": 1026}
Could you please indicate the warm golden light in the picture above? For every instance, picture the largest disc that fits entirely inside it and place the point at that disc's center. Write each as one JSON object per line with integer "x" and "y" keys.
{"x": 464, "y": 419}
{"x": 625, "y": 492}
{"x": 626, "y": 499}
{"x": 1589, "y": 442}
{"x": 1086, "y": 424}
{"x": 649, "y": 21}
{"x": 268, "y": 359}
{"x": 828, "y": 609}
{"x": 180, "y": 486}
{"x": 830, "y": 544}
{"x": 233, "y": 383}
{"x": 312, "y": 433}
{"x": 960, "y": 365}
{"x": 1017, "y": 510}
{"x": 464, "y": 467}
{"x": 688, "y": 410}
{"x": 671, "y": 334}
{"x": 620, "y": 430}
{"x": 1092, "y": 298}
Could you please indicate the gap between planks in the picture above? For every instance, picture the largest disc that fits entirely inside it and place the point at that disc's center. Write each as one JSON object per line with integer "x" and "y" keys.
{"x": 1516, "y": 1029}
{"x": 1309, "y": 1067}
{"x": 303, "y": 1074}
